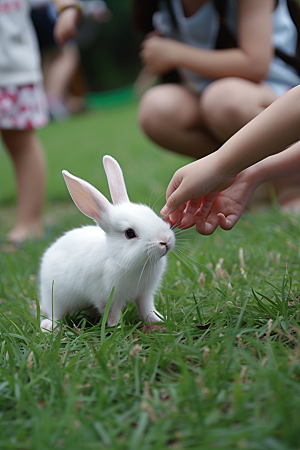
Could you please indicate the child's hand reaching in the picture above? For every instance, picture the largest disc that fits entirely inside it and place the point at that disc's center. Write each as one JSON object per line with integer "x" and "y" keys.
{"x": 217, "y": 208}
{"x": 187, "y": 187}
{"x": 225, "y": 209}
{"x": 192, "y": 197}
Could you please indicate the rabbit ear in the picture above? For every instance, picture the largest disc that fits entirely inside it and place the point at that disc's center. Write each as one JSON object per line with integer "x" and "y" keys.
{"x": 115, "y": 180}
{"x": 87, "y": 198}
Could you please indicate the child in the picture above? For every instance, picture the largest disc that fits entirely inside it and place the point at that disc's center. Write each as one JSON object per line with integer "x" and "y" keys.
{"x": 61, "y": 66}
{"x": 22, "y": 109}
{"x": 222, "y": 88}
{"x": 236, "y": 169}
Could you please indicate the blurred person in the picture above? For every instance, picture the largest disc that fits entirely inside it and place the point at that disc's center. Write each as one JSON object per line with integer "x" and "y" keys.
{"x": 23, "y": 108}
{"x": 64, "y": 81}
{"x": 233, "y": 58}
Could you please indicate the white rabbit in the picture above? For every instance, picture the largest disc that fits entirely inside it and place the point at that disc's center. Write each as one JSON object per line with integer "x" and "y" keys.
{"x": 126, "y": 251}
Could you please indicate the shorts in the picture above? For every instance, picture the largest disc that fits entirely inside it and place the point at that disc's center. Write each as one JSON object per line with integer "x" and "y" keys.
{"x": 23, "y": 107}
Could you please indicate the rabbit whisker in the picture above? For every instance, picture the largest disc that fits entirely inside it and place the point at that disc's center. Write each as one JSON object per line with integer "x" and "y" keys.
{"x": 157, "y": 200}
{"x": 182, "y": 253}
{"x": 149, "y": 204}
{"x": 184, "y": 259}
{"x": 183, "y": 239}
{"x": 175, "y": 225}
{"x": 140, "y": 277}
{"x": 185, "y": 231}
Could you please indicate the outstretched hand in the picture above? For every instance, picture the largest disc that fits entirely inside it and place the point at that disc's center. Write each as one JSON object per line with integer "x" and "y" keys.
{"x": 187, "y": 187}
{"x": 225, "y": 208}
{"x": 216, "y": 208}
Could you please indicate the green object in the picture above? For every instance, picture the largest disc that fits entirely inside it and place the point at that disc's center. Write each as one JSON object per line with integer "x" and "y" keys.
{"x": 110, "y": 98}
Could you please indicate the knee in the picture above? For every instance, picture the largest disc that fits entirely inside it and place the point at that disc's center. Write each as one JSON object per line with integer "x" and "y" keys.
{"x": 167, "y": 106}
{"x": 154, "y": 109}
{"x": 149, "y": 110}
{"x": 224, "y": 109}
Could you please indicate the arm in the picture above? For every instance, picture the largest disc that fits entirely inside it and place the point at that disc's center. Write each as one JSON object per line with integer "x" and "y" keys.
{"x": 270, "y": 132}
{"x": 70, "y": 13}
{"x": 249, "y": 60}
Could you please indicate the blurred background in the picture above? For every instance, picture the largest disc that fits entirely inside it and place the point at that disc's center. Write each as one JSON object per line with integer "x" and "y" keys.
{"x": 111, "y": 61}
{"x": 109, "y": 67}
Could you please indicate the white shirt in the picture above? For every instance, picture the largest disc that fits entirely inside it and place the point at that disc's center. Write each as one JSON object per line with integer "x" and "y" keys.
{"x": 202, "y": 28}
{"x": 19, "y": 53}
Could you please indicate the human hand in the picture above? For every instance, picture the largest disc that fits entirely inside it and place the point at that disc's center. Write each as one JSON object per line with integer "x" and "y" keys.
{"x": 184, "y": 216}
{"x": 158, "y": 54}
{"x": 224, "y": 209}
{"x": 66, "y": 25}
{"x": 187, "y": 187}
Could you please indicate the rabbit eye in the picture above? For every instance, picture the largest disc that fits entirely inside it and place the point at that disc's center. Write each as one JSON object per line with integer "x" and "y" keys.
{"x": 130, "y": 233}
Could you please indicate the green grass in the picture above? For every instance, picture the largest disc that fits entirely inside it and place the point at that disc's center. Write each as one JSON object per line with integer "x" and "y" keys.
{"x": 223, "y": 374}
{"x": 78, "y": 146}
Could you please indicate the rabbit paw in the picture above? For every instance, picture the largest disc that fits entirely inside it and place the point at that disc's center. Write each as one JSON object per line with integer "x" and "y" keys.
{"x": 113, "y": 318}
{"x": 153, "y": 317}
{"x": 46, "y": 325}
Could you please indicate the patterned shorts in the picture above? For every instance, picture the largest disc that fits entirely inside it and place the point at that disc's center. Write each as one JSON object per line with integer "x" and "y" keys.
{"x": 23, "y": 107}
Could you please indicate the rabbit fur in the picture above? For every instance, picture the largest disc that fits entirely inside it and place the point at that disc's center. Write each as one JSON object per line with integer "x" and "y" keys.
{"x": 125, "y": 250}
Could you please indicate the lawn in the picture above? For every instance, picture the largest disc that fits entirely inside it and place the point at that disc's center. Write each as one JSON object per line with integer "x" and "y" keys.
{"x": 223, "y": 372}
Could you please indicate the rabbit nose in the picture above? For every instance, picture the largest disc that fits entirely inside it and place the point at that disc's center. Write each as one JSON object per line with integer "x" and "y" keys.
{"x": 165, "y": 246}
{"x": 164, "y": 240}
{"x": 163, "y": 243}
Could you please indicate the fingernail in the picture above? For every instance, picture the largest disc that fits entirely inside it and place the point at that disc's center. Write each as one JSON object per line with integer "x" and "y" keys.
{"x": 165, "y": 210}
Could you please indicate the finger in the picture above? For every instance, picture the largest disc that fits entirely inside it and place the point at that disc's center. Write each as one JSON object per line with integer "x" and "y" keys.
{"x": 207, "y": 227}
{"x": 205, "y": 206}
{"x": 188, "y": 220}
{"x": 176, "y": 216}
{"x": 227, "y": 223}
{"x": 175, "y": 197}
{"x": 192, "y": 205}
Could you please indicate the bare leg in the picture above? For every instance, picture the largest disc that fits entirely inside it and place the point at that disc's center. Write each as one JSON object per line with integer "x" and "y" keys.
{"x": 30, "y": 169}
{"x": 170, "y": 115}
{"x": 229, "y": 104}
{"x": 182, "y": 121}
{"x": 61, "y": 70}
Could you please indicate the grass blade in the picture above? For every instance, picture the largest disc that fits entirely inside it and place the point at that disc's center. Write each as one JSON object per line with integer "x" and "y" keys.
{"x": 105, "y": 315}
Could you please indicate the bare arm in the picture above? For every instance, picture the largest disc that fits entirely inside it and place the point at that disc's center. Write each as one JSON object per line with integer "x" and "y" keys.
{"x": 67, "y": 21}
{"x": 275, "y": 129}
{"x": 249, "y": 60}
{"x": 225, "y": 208}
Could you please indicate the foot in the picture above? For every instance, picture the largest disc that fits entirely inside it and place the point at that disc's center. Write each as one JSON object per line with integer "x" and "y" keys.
{"x": 20, "y": 233}
{"x": 57, "y": 109}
